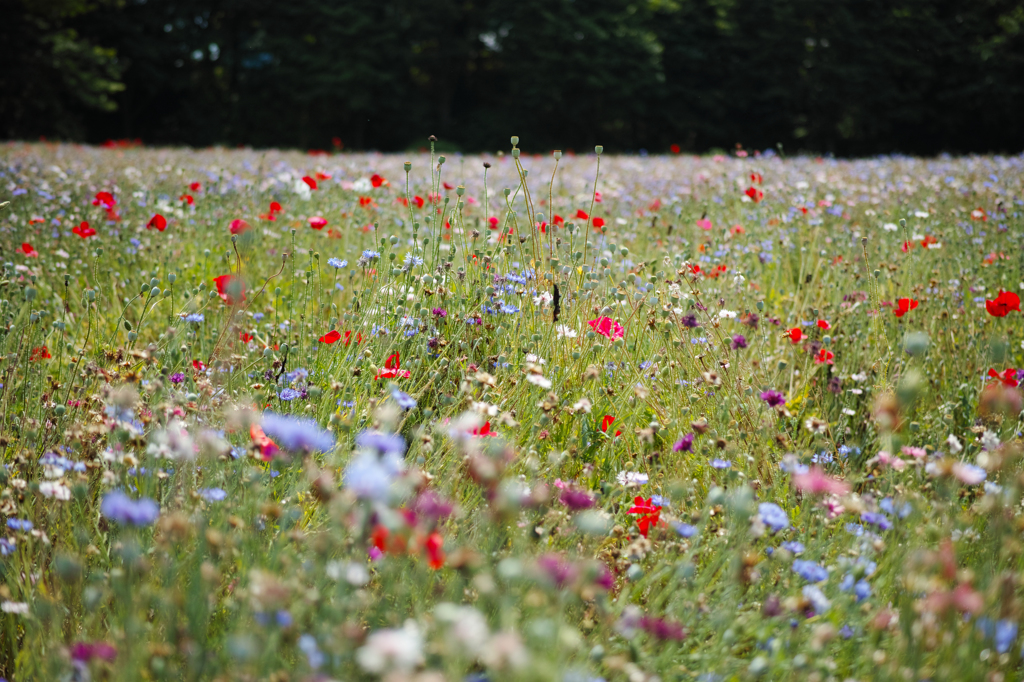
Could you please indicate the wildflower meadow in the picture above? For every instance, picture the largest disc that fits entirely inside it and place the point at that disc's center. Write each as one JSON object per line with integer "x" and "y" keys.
{"x": 570, "y": 417}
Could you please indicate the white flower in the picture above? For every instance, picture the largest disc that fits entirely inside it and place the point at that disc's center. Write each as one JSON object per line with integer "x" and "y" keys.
{"x": 989, "y": 440}
{"x": 890, "y": 227}
{"x": 859, "y": 377}
{"x": 172, "y": 442}
{"x": 398, "y": 649}
{"x": 539, "y": 380}
{"x": 542, "y": 299}
{"x": 848, "y": 412}
{"x": 631, "y": 478}
{"x": 954, "y": 444}
{"x": 467, "y": 626}
{"x": 727, "y": 314}
{"x": 484, "y": 408}
{"x": 58, "y": 490}
{"x": 565, "y": 331}
{"x": 920, "y": 214}
{"x": 353, "y": 573}
{"x": 505, "y": 649}
{"x": 302, "y": 189}
{"x": 362, "y": 185}
{"x": 530, "y": 357}
{"x": 582, "y": 405}
{"x": 19, "y": 607}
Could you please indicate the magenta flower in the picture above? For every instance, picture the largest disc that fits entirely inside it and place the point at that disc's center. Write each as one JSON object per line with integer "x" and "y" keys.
{"x": 684, "y": 444}
{"x": 606, "y": 326}
{"x": 739, "y": 341}
{"x": 576, "y": 500}
{"x": 773, "y": 398}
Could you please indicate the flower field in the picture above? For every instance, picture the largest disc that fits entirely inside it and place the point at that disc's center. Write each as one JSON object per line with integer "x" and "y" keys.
{"x": 279, "y": 416}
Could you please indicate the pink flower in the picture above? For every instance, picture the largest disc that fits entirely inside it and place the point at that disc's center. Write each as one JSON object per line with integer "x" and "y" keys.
{"x": 704, "y": 224}
{"x": 816, "y": 482}
{"x": 885, "y": 459}
{"x": 606, "y": 326}
{"x": 910, "y": 451}
{"x": 834, "y": 506}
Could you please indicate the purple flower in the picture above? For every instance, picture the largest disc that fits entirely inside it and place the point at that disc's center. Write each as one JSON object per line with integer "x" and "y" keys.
{"x": 288, "y": 394}
{"x": 686, "y": 530}
{"x": 403, "y": 399}
{"x": 177, "y": 378}
{"x": 773, "y": 516}
{"x": 295, "y": 434}
{"x": 739, "y": 341}
{"x": 810, "y": 571}
{"x": 876, "y": 519}
{"x": 773, "y": 398}
{"x": 721, "y": 463}
{"x": 120, "y": 508}
{"x": 432, "y": 506}
{"x": 689, "y": 321}
{"x": 684, "y": 444}
{"x": 84, "y": 652}
{"x": 662, "y": 629}
{"x": 24, "y": 525}
{"x": 576, "y": 499}
{"x": 439, "y": 312}
{"x": 559, "y": 570}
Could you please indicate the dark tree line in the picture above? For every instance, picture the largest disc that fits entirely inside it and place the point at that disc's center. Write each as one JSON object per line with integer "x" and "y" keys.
{"x": 851, "y": 77}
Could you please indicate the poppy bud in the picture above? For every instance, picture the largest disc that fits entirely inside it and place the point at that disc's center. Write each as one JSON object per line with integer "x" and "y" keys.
{"x": 760, "y": 305}
{"x": 394, "y": 240}
{"x": 267, "y": 352}
{"x": 132, "y": 336}
{"x": 30, "y": 293}
{"x": 507, "y": 191}
{"x": 90, "y": 294}
{"x": 172, "y": 277}
{"x": 598, "y": 149}
{"x": 408, "y": 166}
{"x": 154, "y": 291}
{"x": 515, "y": 140}
{"x": 827, "y": 340}
{"x": 285, "y": 348}
{"x": 903, "y": 223}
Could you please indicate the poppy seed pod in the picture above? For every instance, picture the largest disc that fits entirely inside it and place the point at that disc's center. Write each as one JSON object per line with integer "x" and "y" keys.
{"x": 507, "y": 191}
{"x": 440, "y": 160}
{"x": 408, "y": 166}
{"x": 460, "y": 190}
{"x": 515, "y": 153}
{"x": 598, "y": 149}
{"x": 557, "y": 154}
{"x": 515, "y": 140}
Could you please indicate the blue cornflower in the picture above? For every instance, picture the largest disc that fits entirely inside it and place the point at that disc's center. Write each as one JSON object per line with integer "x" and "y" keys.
{"x": 819, "y": 602}
{"x": 773, "y": 516}
{"x": 213, "y": 494}
{"x": 23, "y": 525}
{"x": 383, "y": 443}
{"x": 1006, "y": 633}
{"x": 411, "y": 261}
{"x": 194, "y": 318}
{"x": 315, "y": 658}
{"x": 337, "y": 263}
{"x": 888, "y": 507}
{"x": 876, "y": 519}
{"x": 371, "y": 255}
{"x": 118, "y": 507}
{"x": 295, "y": 434}
{"x": 794, "y": 547}
{"x": 810, "y": 571}
{"x": 404, "y": 400}
{"x": 660, "y": 501}
{"x": 720, "y": 463}
{"x": 297, "y": 375}
{"x": 7, "y": 546}
{"x": 369, "y": 475}
{"x": 686, "y": 530}
{"x": 289, "y": 394}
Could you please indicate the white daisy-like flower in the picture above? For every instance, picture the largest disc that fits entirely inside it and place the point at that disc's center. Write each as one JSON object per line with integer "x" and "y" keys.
{"x": 564, "y": 331}
{"x": 539, "y": 380}
{"x": 727, "y": 314}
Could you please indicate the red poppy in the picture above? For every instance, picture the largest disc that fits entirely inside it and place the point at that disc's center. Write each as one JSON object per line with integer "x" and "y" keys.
{"x": 756, "y": 178}
{"x": 904, "y": 306}
{"x": 187, "y": 198}
{"x": 317, "y": 222}
{"x": 1003, "y": 304}
{"x": 418, "y": 201}
{"x": 322, "y": 176}
{"x": 979, "y": 214}
{"x": 824, "y": 357}
{"x": 198, "y": 365}
{"x": 694, "y": 268}
{"x": 928, "y": 241}
{"x": 823, "y": 324}
{"x": 40, "y": 353}
{"x": 268, "y": 448}
{"x": 230, "y": 286}
{"x": 196, "y": 187}
{"x": 27, "y": 249}
{"x": 608, "y": 421}
{"x": 348, "y": 338}
{"x": 104, "y": 199}
{"x": 365, "y": 201}
{"x": 1007, "y": 378}
{"x": 754, "y": 193}
{"x": 157, "y": 222}
{"x": 674, "y": 148}
{"x": 484, "y": 430}
{"x": 84, "y": 231}
{"x": 238, "y": 226}
{"x": 309, "y": 181}
{"x": 393, "y": 368}
{"x": 331, "y": 336}
{"x": 794, "y": 334}
{"x": 557, "y": 220}
{"x": 598, "y": 222}
{"x": 717, "y": 270}
{"x": 648, "y": 513}
{"x": 275, "y": 207}
{"x": 493, "y": 222}
{"x": 448, "y": 186}
{"x": 434, "y": 547}
{"x": 377, "y": 180}
{"x": 244, "y": 337}
{"x": 597, "y": 197}
{"x": 581, "y": 215}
